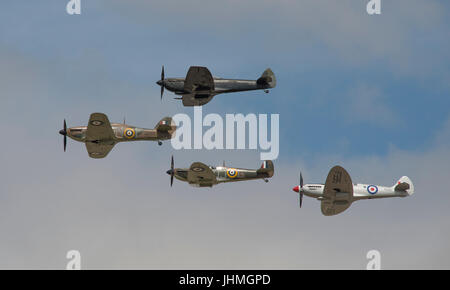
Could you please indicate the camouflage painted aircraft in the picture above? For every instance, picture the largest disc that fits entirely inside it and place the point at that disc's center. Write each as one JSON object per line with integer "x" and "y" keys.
{"x": 100, "y": 136}
{"x": 201, "y": 175}
{"x": 199, "y": 86}
{"x": 338, "y": 192}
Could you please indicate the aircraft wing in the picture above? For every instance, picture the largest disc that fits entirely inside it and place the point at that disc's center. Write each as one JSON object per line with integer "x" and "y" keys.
{"x": 193, "y": 99}
{"x": 338, "y": 192}
{"x": 201, "y": 175}
{"x": 100, "y": 150}
{"x": 99, "y": 128}
{"x": 199, "y": 79}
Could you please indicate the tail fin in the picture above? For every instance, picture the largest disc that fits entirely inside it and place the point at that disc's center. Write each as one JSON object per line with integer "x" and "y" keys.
{"x": 266, "y": 168}
{"x": 404, "y": 184}
{"x": 165, "y": 125}
{"x": 267, "y": 79}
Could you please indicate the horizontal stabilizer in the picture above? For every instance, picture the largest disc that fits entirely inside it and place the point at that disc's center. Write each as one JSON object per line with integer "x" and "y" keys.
{"x": 404, "y": 184}
{"x": 267, "y": 168}
{"x": 267, "y": 79}
{"x": 165, "y": 124}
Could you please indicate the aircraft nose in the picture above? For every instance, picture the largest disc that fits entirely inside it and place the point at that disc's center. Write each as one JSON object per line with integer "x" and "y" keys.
{"x": 62, "y": 132}
{"x": 159, "y": 82}
{"x": 169, "y": 171}
{"x": 296, "y": 189}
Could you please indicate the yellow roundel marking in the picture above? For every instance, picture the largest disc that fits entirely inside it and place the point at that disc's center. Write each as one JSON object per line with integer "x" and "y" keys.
{"x": 232, "y": 173}
{"x": 129, "y": 133}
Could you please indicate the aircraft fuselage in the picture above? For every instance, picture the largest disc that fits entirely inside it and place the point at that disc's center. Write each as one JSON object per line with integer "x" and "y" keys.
{"x": 224, "y": 174}
{"x": 360, "y": 191}
{"x": 122, "y": 133}
{"x": 176, "y": 85}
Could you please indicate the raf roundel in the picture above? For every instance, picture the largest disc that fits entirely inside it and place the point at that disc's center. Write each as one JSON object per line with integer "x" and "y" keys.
{"x": 129, "y": 133}
{"x": 96, "y": 122}
{"x": 232, "y": 173}
{"x": 372, "y": 189}
{"x": 198, "y": 169}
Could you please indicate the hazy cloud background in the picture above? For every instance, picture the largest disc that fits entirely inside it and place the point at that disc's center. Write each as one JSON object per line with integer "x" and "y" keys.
{"x": 367, "y": 92}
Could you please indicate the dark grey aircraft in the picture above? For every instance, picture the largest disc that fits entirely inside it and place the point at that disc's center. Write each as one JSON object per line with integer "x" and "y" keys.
{"x": 100, "y": 135}
{"x": 202, "y": 175}
{"x": 199, "y": 86}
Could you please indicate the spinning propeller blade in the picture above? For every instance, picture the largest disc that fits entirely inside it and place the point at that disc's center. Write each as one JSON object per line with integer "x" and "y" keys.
{"x": 171, "y": 171}
{"x": 301, "y": 190}
{"x": 64, "y": 133}
{"x": 162, "y": 82}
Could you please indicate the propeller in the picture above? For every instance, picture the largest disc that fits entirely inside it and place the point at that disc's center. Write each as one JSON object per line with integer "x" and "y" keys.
{"x": 64, "y": 133}
{"x": 161, "y": 82}
{"x": 171, "y": 172}
{"x": 301, "y": 190}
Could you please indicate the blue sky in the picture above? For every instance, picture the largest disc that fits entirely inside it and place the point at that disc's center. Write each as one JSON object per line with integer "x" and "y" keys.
{"x": 399, "y": 92}
{"x": 352, "y": 89}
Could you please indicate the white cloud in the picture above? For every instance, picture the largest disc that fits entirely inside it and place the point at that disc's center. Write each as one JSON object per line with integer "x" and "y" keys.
{"x": 366, "y": 103}
{"x": 121, "y": 213}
